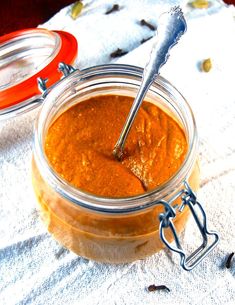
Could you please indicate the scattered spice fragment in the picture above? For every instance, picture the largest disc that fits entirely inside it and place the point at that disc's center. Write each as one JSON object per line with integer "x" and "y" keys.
{"x": 206, "y": 65}
{"x": 118, "y": 53}
{"x": 228, "y": 263}
{"x": 149, "y": 25}
{"x": 159, "y": 287}
{"x": 76, "y": 9}
{"x": 145, "y": 39}
{"x": 200, "y": 4}
{"x": 115, "y": 8}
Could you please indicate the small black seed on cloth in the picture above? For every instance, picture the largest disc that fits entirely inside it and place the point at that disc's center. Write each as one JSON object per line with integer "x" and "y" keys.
{"x": 148, "y": 24}
{"x": 114, "y": 8}
{"x": 118, "y": 53}
{"x": 153, "y": 287}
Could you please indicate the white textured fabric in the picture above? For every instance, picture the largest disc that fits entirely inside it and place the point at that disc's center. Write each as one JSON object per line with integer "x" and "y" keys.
{"x": 34, "y": 268}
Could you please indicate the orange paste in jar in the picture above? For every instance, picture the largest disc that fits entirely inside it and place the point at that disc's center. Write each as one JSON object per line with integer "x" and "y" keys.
{"x": 80, "y": 142}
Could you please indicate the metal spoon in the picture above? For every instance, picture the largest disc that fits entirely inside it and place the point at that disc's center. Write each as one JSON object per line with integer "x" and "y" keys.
{"x": 171, "y": 26}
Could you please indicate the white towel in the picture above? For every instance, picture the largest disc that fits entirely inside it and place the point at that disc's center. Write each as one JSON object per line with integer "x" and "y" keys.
{"x": 34, "y": 268}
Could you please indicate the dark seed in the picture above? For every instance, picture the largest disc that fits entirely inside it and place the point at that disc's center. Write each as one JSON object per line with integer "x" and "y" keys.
{"x": 228, "y": 263}
{"x": 149, "y": 25}
{"x": 146, "y": 39}
{"x": 118, "y": 53}
{"x": 115, "y": 8}
{"x": 159, "y": 287}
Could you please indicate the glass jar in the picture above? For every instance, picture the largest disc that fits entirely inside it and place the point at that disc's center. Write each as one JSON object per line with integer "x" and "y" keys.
{"x": 124, "y": 229}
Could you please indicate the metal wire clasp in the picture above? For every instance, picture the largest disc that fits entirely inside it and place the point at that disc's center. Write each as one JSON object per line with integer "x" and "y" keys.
{"x": 65, "y": 70}
{"x": 166, "y": 221}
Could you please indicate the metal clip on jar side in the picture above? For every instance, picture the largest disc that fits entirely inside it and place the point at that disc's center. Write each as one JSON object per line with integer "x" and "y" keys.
{"x": 166, "y": 221}
{"x": 64, "y": 69}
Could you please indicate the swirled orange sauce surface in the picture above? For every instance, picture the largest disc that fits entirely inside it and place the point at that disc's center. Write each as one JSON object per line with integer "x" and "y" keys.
{"x": 80, "y": 142}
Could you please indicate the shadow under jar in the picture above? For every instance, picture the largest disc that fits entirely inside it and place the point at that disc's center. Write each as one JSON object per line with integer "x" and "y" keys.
{"x": 115, "y": 230}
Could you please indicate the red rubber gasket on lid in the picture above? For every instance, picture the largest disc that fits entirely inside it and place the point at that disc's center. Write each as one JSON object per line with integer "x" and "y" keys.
{"x": 29, "y": 87}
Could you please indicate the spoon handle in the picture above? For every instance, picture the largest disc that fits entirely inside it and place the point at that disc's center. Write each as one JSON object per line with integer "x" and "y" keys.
{"x": 171, "y": 26}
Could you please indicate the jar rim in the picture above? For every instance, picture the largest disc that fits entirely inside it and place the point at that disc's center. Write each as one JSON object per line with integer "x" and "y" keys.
{"x": 104, "y": 204}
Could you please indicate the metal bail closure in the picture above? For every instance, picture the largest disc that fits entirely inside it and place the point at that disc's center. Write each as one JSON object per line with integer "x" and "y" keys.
{"x": 64, "y": 69}
{"x": 166, "y": 221}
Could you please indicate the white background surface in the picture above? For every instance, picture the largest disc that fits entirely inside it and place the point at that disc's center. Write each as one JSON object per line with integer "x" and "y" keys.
{"x": 34, "y": 268}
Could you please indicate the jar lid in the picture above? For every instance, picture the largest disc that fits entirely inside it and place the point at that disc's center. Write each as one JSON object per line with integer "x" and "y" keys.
{"x": 25, "y": 56}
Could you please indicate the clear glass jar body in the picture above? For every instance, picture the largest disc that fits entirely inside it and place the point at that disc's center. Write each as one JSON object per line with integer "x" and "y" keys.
{"x": 103, "y": 229}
